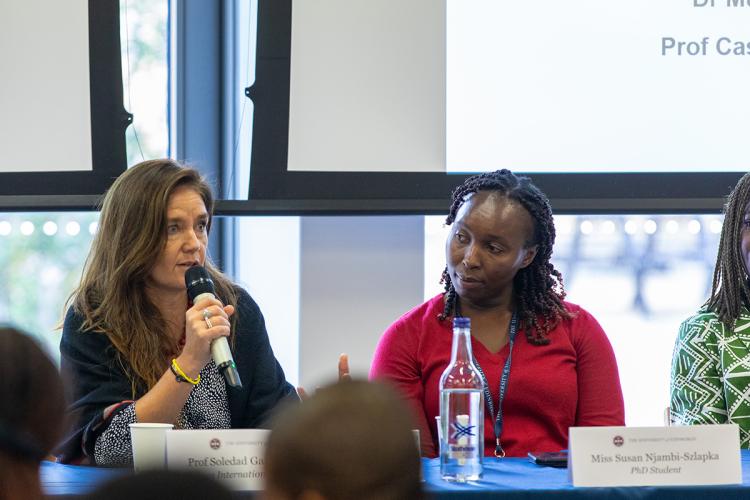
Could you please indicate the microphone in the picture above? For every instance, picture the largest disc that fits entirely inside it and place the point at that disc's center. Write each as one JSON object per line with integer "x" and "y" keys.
{"x": 200, "y": 286}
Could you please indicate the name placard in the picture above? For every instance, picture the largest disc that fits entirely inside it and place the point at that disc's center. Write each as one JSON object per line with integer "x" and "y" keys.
{"x": 232, "y": 456}
{"x": 651, "y": 456}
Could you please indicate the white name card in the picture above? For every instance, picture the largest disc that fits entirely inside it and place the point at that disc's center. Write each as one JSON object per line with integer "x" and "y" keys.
{"x": 652, "y": 456}
{"x": 232, "y": 456}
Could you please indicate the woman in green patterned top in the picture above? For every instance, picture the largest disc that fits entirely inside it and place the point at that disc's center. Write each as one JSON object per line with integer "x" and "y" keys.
{"x": 711, "y": 364}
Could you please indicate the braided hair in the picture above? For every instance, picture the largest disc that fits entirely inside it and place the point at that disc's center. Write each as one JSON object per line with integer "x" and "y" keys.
{"x": 730, "y": 289}
{"x": 538, "y": 287}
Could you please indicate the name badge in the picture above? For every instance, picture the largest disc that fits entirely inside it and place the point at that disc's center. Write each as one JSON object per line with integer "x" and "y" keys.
{"x": 652, "y": 456}
{"x": 232, "y": 456}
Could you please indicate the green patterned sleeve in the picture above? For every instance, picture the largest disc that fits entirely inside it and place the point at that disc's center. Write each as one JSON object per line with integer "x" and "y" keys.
{"x": 697, "y": 391}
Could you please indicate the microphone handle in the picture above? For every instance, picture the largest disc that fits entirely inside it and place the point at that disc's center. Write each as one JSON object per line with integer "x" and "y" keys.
{"x": 221, "y": 353}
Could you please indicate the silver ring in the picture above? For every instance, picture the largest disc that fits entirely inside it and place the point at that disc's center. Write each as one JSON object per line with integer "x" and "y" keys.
{"x": 206, "y": 316}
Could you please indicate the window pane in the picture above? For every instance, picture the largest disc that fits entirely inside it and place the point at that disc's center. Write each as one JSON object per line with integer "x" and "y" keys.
{"x": 42, "y": 254}
{"x": 41, "y": 257}
{"x": 143, "y": 34}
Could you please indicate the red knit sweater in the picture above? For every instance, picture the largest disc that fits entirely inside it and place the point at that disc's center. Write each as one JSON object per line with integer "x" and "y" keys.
{"x": 573, "y": 381}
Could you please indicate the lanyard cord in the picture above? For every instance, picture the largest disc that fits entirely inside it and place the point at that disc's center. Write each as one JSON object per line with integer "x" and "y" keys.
{"x": 498, "y": 417}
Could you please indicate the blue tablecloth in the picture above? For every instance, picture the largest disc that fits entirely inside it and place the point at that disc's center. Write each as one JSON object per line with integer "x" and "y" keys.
{"x": 60, "y": 480}
{"x": 511, "y": 478}
{"x": 517, "y": 478}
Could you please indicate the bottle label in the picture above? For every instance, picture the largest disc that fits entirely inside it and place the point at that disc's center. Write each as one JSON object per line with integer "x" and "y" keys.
{"x": 461, "y": 428}
{"x": 462, "y": 437}
{"x": 462, "y": 452}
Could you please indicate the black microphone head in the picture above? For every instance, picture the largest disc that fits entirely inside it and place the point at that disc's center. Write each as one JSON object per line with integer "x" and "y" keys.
{"x": 198, "y": 281}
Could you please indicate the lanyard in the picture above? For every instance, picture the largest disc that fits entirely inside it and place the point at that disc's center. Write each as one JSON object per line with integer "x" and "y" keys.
{"x": 499, "y": 452}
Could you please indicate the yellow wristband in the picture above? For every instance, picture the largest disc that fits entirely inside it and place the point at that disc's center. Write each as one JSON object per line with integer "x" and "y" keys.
{"x": 180, "y": 375}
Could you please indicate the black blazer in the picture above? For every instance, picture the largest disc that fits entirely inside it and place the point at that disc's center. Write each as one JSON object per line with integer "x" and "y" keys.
{"x": 95, "y": 379}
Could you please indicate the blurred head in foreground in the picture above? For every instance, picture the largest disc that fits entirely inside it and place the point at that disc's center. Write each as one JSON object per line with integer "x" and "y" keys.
{"x": 31, "y": 414}
{"x": 352, "y": 440}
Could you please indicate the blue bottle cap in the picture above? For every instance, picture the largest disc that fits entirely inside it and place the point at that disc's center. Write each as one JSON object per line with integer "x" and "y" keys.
{"x": 461, "y": 322}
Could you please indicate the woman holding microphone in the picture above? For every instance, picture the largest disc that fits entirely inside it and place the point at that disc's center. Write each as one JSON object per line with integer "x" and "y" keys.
{"x": 134, "y": 347}
{"x": 499, "y": 275}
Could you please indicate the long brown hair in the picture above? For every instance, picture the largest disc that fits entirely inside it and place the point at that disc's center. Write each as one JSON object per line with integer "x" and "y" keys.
{"x": 731, "y": 290}
{"x": 32, "y": 413}
{"x": 131, "y": 235}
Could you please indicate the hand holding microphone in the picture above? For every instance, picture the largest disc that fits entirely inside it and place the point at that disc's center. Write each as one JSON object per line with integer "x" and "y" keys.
{"x": 200, "y": 287}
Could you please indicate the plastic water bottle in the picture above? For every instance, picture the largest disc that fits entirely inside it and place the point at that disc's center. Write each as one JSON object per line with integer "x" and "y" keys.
{"x": 461, "y": 411}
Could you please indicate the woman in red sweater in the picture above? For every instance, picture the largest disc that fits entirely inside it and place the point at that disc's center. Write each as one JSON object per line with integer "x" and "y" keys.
{"x": 563, "y": 372}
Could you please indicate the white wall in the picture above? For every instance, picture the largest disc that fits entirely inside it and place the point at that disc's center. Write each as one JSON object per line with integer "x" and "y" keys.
{"x": 357, "y": 275}
{"x": 328, "y": 285}
{"x": 268, "y": 257}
